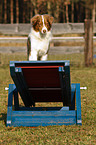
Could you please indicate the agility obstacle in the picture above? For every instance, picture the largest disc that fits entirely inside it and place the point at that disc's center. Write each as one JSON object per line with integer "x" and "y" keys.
{"x": 42, "y": 81}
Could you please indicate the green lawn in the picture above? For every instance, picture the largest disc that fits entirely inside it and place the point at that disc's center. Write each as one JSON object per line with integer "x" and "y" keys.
{"x": 52, "y": 135}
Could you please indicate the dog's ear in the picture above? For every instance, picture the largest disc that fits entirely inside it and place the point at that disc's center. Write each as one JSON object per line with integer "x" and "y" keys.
{"x": 35, "y": 19}
{"x": 49, "y": 18}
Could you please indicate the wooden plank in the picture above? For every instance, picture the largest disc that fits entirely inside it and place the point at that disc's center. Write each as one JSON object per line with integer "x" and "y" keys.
{"x": 29, "y": 121}
{"x": 43, "y": 118}
{"x": 53, "y": 50}
{"x": 56, "y": 39}
{"x": 14, "y": 49}
{"x": 15, "y": 29}
{"x": 57, "y": 28}
{"x": 88, "y": 51}
{"x": 63, "y": 28}
{"x": 44, "y": 113}
{"x": 66, "y": 49}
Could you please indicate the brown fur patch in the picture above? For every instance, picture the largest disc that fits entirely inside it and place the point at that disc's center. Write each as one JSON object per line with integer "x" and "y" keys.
{"x": 37, "y": 23}
{"x": 48, "y": 20}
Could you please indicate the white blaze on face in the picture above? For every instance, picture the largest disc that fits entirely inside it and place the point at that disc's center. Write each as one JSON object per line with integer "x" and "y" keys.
{"x": 44, "y": 29}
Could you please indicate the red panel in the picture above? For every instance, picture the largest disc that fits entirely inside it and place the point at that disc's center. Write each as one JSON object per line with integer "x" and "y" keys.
{"x": 41, "y": 77}
{"x": 40, "y": 66}
{"x": 46, "y": 96}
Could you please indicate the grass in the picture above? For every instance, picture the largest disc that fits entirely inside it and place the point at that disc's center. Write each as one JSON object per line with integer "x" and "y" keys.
{"x": 52, "y": 135}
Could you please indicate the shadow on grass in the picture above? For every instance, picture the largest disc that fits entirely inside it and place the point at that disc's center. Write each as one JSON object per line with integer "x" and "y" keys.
{"x": 3, "y": 117}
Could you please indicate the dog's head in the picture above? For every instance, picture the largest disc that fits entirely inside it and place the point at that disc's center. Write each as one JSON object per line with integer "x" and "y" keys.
{"x": 42, "y": 23}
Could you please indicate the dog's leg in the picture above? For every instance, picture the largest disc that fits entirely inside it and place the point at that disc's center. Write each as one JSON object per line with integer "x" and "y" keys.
{"x": 33, "y": 56}
{"x": 28, "y": 48}
{"x": 44, "y": 57}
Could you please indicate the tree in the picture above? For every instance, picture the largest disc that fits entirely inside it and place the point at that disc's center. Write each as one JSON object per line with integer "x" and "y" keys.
{"x": 5, "y": 11}
{"x": 90, "y": 17}
{"x": 1, "y": 11}
{"x": 56, "y": 12}
{"x": 72, "y": 16}
{"x": 11, "y": 11}
{"x": 89, "y": 23}
{"x": 34, "y": 2}
{"x": 17, "y": 11}
{"x": 67, "y": 18}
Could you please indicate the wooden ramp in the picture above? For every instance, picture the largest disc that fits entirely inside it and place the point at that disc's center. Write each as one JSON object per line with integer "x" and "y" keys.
{"x": 42, "y": 81}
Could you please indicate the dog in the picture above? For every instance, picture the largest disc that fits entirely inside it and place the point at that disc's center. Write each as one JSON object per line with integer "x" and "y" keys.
{"x": 39, "y": 37}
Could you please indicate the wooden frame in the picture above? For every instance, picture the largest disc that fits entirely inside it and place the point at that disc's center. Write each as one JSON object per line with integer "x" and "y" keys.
{"x": 63, "y": 91}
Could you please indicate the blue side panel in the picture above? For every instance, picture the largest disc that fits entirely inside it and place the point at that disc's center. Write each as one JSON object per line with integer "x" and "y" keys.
{"x": 78, "y": 104}
{"x": 12, "y": 87}
{"x": 64, "y": 75}
{"x": 73, "y": 90}
{"x": 16, "y": 80}
{"x": 10, "y": 100}
{"x": 9, "y": 116}
{"x": 43, "y": 118}
{"x": 68, "y": 84}
{"x": 16, "y": 100}
{"x": 17, "y": 77}
{"x": 62, "y": 83}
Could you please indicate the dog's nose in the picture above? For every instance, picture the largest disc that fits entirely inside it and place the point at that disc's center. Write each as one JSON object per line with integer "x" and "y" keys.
{"x": 44, "y": 31}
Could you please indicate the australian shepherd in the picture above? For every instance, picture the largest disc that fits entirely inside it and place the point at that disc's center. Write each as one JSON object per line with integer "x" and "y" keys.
{"x": 39, "y": 37}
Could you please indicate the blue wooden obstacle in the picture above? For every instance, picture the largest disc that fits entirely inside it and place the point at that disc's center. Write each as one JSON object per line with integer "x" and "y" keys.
{"x": 42, "y": 81}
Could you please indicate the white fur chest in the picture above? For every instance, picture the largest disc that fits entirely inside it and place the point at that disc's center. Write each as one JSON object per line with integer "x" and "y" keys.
{"x": 39, "y": 42}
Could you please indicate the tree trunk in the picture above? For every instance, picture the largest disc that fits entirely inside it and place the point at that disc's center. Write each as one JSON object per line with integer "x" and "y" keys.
{"x": 24, "y": 11}
{"x": 67, "y": 17}
{"x": 11, "y": 11}
{"x": 49, "y": 7}
{"x": 31, "y": 10}
{"x": 72, "y": 16}
{"x": 35, "y": 6}
{"x": 93, "y": 14}
{"x": 56, "y": 12}
{"x": 1, "y": 5}
{"x": 64, "y": 13}
{"x": 87, "y": 13}
{"x": 5, "y": 11}
{"x": 88, "y": 51}
{"x": 28, "y": 11}
{"x": 78, "y": 14}
{"x": 17, "y": 11}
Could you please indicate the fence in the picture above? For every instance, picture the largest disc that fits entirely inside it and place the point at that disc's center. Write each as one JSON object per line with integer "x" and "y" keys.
{"x": 59, "y": 31}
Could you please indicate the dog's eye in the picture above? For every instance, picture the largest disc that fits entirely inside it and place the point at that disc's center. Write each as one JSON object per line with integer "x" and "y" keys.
{"x": 39, "y": 24}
